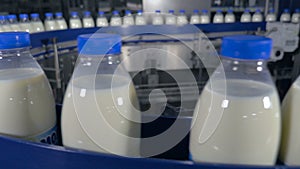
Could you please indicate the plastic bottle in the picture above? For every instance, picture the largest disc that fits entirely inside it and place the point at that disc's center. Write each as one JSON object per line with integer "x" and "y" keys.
{"x": 236, "y": 104}
{"x": 60, "y": 21}
{"x": 204, "y": 17}
{"x": 182, "y": 18}
{"x": 290, "y": 145}
{"x": 219, "y": 17}
{"x": 98, "y": 110}
{"x": 285, "y": 16}
{"x": 101, "y": 20}
{"x": 75, "y": 22}
{"x": 296, "y": 16}
{"x": 171, "y": 18}
{"x": 140, "y": 18}
{"x": 271, "y": 17}
{"x": 24, "y": 23}
{"x": 88, "y": 21}
{"x": 36, "y": 24}
{"x": 25, "y": 92}
{"x": 229, "y": 17}
{"x": 115, "y": 19}
{"x": 4, "y": 24}
{"x": 157, "y": 18}
{"x": 257, "y": 16}
{"x": 246, "y": 16}
{"x": 195, "y": 18}
{"x": 13, "y": 23}
{"x": 49, "y": 22}
{"x": 128, "y": 18}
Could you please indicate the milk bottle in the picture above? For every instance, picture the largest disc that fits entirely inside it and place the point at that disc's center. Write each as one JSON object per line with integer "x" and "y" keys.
{"x": 50, "y": 24}
{"x": 101, "y": 20}
{"x": 195, "y": 18}
{"x": 157, "y": 18}
{"x": 229, "y": 17}
{"x": 4, "y": 24}
{"x": 60, "y": 21}
{"x": 219, "y": 17}
{"x": 246, "y": 16}
{"x": 182, "y": 18}
{"x": 285, "y": 16}
{"x": 290, "y": 145}
{"x": 88, "y": 21}
{"x": 237, "y": 118}
{"x": 36, "y": 24}
{"x": 28, "y": 107}
{"x": 271, "y": 17}
{"x": 140, "y": 18}
{"x": 75, "y": 22}
{"x": 257, "y": 16}
{"x": 24, "y": 23}
{"x": 13, "y": 23}
{"x": 204, "y": 18}
{"x": 100, "y": 110}
{"x": 296, "y": 16}
{"x": 115, "y": 19}
{"x": 171, "y": 18}
{"x": 128, "y": 18}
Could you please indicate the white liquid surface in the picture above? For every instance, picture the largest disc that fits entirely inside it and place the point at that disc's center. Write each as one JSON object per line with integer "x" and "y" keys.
{"x": 171, "y": 20}
{"x": 257, "y": 17}
{"x": 101, "y": 22}
{"x": 157, "y": 20}
{"x": 50, "y": 25}
{"x": 246, "y": 17}
{"x": 140, "y": 20}
{"x": 115, "y": 21}
{"x": 61, "y": 24}
{"x": 195, "y": 19}
{"x": 204, "y": 19}
{"x": 242, "y": 127}
{"x": 128, "y": 20}
{"x": 229, "y": 18}
{"x": 75, "y": 23}
{"x": 285, "y": 17}
{"x": 103, "y": 116}
{"x": 37, "y": 27}
{"x": 218, "y": 18}
{"x": 88, "y": 22}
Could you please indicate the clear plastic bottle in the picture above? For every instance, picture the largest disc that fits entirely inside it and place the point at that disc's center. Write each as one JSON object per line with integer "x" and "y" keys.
{"x": 236, "y": 104}
{"x": 195, "y": 18}
{"x": 285, "y": 16}
{"x": 36, "y": 24}
{"x": 257, "y": 16}
{"x": 157, "y": 18}
{"x": 128, "y": 18}
{"x": 246, "y": 16}
{"x": 25, "y": 92}
{"x": 182, "y": 18}
{"x": 290, "y": 145}
{"x": 296, "y": 16}
{"x": 24, "y": 23}
{"x": 88, "y": 21}
{"x": 75, "y": 21}
{"x": 13, "y": 23}
{"x": 101, "y": 20}
{"x": 271, "y": 16}
{"x": 100, "y": 101}
{"x": 219, "y": 17}
{"x": 115, "y": 19}
{"x": 50, "y": 24}
{"x": 229, "y": 17}
{"x": 171, "y": 18}
{"x": 4, "y": 24}
{"x": 204, "y": 18}
{"x": 140, "y": 18}
{"x": 60, "y": 21}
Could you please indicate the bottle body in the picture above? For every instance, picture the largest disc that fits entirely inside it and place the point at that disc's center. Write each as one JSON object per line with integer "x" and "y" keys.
{"x": 157, "y": 19}
{"x": 128, "y": 19}
{"x": 171, "y": 18}
{"x": 60, "y": 21}
{"x": 36, "y": 24}
{"x": 204, "y": 18}
{"x": 271, "y": 17}
{"x": 88, "y": 21}
{"x": 182, "y": 18}
{"x": 195, "y": 18}
{"x": 219, "y": 17}
{"x": 75, "y": 22}
{"x": 246, "y": 16}
{"x": 4, "y": 24}
{"x": 13, "y": 23}
{"x": 285, "y": 16}
{"x": 257, "y": 16}
{"x": 296, "y": 16}
{"x": 50, "y": 24}
{"x": 24, "y": 23}
{"x": 140, "y": 18}
{"x": 115, "y": 19}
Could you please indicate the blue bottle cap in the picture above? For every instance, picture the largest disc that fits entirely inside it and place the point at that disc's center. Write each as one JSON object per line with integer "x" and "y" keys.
{"x": 182, "y": 11}
{"x": 230, "y": 11}
{"x": 12, "y": 17}
{"x": 34, "y": 15}
{"x": 101, "y": 13}
{"x": 204, "y": 11}
{"x": 115, "y": 12}
{"x": 271, "y": 10}
{"x": 246, "y": 47}
{"x": 2, "y": 18}
{"x": 157, "y": 11}
{"x": 74, "y": 14}
{"x": 257, "y": 10}
{"x": 58, "y": 14}
{"x": 127, "y": 12}
{"x": 23, "y": 16}
{"x": 48, "y": 15}
{"x": 171, "y": 11}
{"x": 87, "y": 13}
{"x": 196, "y": 11}
{"x": 99, "y": 44}
{"x": 139, "y": 11}
{"x": 297, "y": 10}
{"x": 11, "y": 40}
{"x": 286, "y": 11}
{"x": 247, "y": 10}
{"x": 219, "y": 11}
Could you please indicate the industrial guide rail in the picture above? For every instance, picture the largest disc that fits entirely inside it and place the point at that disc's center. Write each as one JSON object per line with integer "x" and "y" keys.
{"x": 17, "y": 153}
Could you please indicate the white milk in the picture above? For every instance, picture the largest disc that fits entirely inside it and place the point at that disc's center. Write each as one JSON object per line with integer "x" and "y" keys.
{"x": 75, "y": 23}
{"x": 28, "y": 107}
{"x": 89, "y": 101}
{"x": 157, "y": 18}
{"x": 14, "y": 27}
{"x": 195, "y": 18}
{"x": 204, "y": 17}
{"x": 116, "y": 21}
{"x": 229, "y": 17}
{"x": 182, "y": 18}
{"x": 140, "y": 19}
{"x": 101, "y": 21}
{"x": 285, "y": 16}
{"x": 50, "y": 25}
{"x": 296, "y": 16}
{"x": 257, "y": 16}
{"x": 170, "y": 19}
{"x": 218, "y": 18}
{"x": 25, "y": 27}
{"x": 88, "y": 22}
{"x": 249, "y": 128}
{"x": 37, "y": 26}
{"x": 246, "y": 16}
{"x": 290, "y": 144}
